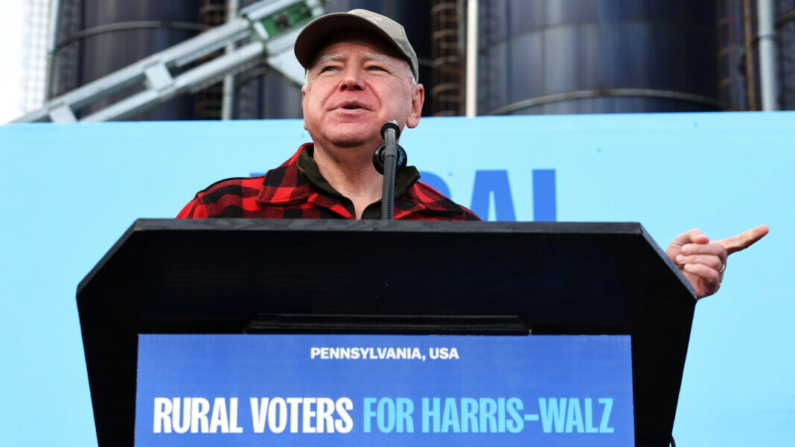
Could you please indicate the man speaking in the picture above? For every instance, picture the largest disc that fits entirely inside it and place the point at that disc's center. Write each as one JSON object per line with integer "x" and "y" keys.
{"x": 361, "y": 72}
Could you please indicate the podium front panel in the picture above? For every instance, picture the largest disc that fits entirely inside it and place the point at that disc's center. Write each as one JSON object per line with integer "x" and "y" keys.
{"x": 214, "y": 276}
{"x": 361, "y": 390}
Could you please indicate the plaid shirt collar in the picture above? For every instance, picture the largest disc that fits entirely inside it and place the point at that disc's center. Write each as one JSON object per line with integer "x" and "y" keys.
{"x": 289, "y": 184}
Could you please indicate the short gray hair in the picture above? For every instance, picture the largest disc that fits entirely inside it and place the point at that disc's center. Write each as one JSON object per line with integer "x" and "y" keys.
{"x": 411, "y": 73}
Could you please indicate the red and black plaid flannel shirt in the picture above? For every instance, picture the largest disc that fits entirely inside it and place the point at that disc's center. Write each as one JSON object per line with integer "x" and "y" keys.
{"x": 288, "y": 193}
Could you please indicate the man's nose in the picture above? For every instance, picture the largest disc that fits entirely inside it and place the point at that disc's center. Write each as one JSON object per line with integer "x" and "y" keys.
{"x": 352, "y": 80}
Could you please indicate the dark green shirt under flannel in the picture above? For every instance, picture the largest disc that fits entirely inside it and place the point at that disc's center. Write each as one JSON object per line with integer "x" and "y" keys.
{"x": 405, "y": 179}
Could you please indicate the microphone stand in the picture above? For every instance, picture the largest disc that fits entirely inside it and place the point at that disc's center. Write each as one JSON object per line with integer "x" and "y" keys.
{"x": 387, "y": 159}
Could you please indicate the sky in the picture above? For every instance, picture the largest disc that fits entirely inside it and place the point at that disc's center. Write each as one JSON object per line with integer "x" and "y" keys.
{"x": 11, "y": 21}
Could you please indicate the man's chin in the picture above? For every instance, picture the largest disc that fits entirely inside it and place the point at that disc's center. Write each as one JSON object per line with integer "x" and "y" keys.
{"x": 356, "y": 138}
{"x": 355, "y": 143}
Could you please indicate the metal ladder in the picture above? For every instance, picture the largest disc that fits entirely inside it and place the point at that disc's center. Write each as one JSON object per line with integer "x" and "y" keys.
{"x": 270, "y": 25}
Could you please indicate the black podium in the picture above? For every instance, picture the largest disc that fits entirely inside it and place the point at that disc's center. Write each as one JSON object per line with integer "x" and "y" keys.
{"x": 223, "y": 276}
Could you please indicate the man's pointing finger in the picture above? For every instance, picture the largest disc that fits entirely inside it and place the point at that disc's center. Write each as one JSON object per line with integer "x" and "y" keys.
{"x": 744, "y": 240}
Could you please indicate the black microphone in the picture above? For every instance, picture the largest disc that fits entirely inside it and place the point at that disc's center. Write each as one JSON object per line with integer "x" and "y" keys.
{"x": 387, "y": 159}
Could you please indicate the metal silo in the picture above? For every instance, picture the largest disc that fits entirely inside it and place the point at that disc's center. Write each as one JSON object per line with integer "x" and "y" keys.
{"x": 98, "y": 37}
{"x": 597, "y": 56}
{"x": 785, "y": 39}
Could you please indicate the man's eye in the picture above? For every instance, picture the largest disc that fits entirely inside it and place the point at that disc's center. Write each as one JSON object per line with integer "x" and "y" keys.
{"x": 328, "y": 68}
{"x": 376, "y": 68}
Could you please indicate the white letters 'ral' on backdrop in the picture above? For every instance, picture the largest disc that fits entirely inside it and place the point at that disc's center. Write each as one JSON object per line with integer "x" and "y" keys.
{"x": 70, "y": 191}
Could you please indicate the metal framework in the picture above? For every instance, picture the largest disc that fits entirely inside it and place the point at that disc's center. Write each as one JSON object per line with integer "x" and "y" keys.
{"x": 736, "y": 62}
{"x": 208, "y": 102}
{"x": 447, "y": 61}
{"x": 739, "y": 56}
{"x": 265, "y": 30}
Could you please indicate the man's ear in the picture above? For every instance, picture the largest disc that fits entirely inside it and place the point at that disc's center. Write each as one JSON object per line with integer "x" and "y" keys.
{"x": 417, "y": 100}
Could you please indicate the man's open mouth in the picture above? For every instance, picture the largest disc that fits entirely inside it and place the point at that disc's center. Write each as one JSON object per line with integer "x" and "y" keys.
{"x": 352, "y": 105}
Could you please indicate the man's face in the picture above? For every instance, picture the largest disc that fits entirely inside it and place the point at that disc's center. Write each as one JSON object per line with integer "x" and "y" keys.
{"x": 355, "y": 85}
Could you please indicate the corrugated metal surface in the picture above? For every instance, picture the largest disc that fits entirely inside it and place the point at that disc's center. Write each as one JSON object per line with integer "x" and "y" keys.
{"x": 614, "y": 55}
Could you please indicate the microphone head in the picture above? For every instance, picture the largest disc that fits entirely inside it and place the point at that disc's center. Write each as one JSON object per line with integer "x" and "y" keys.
{"x": 390, "y": 125}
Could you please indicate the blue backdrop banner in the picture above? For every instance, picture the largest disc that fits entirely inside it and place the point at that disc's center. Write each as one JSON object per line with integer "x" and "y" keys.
{"x": 70, "y": 192}
{"x": 360, "y": 390}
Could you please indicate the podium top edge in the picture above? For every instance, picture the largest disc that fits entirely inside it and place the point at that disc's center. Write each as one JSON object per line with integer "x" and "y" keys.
{"x": 237, "y": 224}
{"x": 143, "y": 225}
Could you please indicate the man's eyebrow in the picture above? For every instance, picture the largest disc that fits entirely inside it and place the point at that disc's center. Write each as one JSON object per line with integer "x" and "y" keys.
{"x": 377, "y": 57}
{"x": 328, "y": 58}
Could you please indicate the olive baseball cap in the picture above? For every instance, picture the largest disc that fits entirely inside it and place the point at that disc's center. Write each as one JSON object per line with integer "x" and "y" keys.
{"x": 318, "y": 31}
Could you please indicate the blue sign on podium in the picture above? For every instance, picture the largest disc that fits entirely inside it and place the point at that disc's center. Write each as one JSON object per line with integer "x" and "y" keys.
{"x": 350, "y": 390}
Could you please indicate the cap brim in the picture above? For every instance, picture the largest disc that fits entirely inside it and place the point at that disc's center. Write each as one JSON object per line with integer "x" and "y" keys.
{"x": 317, "y": 33}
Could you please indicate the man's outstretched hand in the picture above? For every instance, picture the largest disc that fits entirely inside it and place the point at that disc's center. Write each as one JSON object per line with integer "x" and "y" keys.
{"x": 703, "y": 262}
